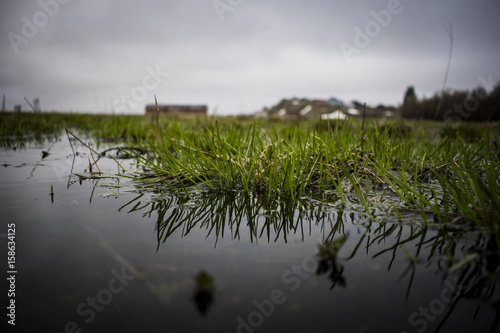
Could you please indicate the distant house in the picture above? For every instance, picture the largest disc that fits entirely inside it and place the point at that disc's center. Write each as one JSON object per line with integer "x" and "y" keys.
{"x": 332, "y": 108}
{"x": 304, "y": 108}
{"x": 335, "y": 102}
{"x": 178, "y": 109}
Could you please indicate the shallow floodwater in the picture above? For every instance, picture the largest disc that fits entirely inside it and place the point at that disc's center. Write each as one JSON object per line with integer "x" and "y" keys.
{"x": 109, "y": 255}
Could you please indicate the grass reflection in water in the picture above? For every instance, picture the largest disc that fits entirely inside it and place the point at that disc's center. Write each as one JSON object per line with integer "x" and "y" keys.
{"x": 467, "y": 257}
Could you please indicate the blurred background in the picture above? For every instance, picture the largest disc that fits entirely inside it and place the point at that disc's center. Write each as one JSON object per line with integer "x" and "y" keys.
{"x": 239, "y": 56}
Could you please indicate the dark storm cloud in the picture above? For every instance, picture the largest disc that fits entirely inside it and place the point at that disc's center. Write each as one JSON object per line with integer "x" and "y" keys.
{"x": 240, "y": 54}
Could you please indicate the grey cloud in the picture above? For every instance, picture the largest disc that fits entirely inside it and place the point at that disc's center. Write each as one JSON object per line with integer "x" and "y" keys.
{"x": 93, "y": 51}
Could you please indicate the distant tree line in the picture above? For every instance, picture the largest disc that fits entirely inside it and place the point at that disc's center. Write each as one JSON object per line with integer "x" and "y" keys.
{"x": 460, "y": 105}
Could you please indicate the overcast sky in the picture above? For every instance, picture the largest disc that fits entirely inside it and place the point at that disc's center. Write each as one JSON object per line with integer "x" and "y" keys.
{"x": 238, "y": 56}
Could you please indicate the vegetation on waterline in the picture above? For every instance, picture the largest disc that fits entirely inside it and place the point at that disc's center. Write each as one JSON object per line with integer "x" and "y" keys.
{"x": 439, "y": 173}
{"x": 443, "y": 171}
{"x": 22, "y": 126}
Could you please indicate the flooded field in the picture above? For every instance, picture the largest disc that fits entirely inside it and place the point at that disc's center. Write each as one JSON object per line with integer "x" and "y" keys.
{"x": 112, "y": 255}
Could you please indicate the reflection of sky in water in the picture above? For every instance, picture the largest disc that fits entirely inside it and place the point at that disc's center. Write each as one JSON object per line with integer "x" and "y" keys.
{"x": 72, "y": 251}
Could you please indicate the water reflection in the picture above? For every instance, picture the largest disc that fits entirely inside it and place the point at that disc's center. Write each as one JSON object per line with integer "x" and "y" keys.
{"x": 203, "y": 296}
{"x": 328, "y": 263}
{"x": 262, "y": 218}
{"x": 468, "y": 263}
{"x": 465, "y": 260}
{"x": 387, "y": 275}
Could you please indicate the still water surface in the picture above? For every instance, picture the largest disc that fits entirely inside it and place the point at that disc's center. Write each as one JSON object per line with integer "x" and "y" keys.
{"x": 107, "y": 255}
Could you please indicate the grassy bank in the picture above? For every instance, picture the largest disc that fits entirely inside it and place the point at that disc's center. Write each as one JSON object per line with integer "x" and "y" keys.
{"x": 129, "y": 128}
{"x": 446, "y": 172}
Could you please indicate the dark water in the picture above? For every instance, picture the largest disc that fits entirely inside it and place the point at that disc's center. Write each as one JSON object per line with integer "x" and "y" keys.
{"x": 104, "y": 255}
